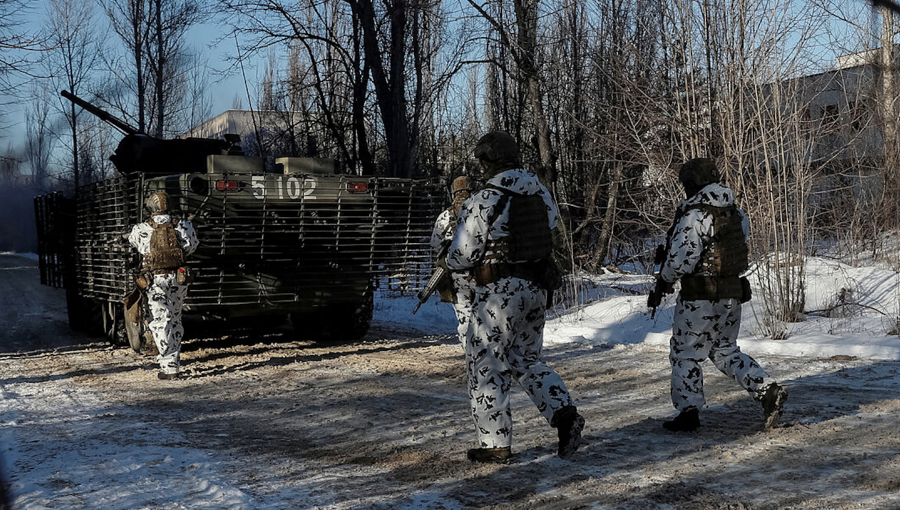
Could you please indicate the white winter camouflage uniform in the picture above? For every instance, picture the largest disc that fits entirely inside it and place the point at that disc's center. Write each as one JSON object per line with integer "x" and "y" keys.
{"x": 462, "y": 284}
{"x": 164, "y": 296}
{"x": 505, "y": 337}
{"x": 703, "y": 328}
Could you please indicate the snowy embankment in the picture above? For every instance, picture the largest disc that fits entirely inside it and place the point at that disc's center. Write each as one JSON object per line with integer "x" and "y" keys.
{"x": 851, "y": 312}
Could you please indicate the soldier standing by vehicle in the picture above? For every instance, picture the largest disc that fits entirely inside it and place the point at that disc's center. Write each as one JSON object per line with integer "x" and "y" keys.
{"x": 504, "y": 240}
{"x": 707, "y": 250}
{"x": 459, "y": 288}
{"x": 164, "y": 242}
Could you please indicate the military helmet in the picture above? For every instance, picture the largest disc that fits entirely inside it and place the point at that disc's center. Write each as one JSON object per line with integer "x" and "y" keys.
{"x": 498, "y": 148}
{"x": 460, "y": 184}
{"x": 698, "y": 172}
{"x": 157, "y": 202}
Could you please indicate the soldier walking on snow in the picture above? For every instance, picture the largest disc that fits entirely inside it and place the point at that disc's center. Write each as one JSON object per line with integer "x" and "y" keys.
{"x": 460, "y": 288}
{"x": 164, "y": 242}
{"x": 504, "y": 240}
{"x": 707, "y": 250}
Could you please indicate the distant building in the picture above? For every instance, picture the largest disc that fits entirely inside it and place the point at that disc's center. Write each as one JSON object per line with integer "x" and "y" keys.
{"x": 839, "y": 109}
{"x": 279, "y": 133}
{"x": 244, "y": 123}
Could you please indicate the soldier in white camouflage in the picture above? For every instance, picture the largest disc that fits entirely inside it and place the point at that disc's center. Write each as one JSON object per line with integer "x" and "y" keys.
{"x": 505, "y": 252}
{"x": 460, "y": 290}
{"x": 164, "y": 242}
{"x": 707, "y": 250}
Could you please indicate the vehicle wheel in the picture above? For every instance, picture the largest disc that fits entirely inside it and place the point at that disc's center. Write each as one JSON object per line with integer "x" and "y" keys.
{"x": 351, "y": 321}
{"x": 79, "y": 311}
{"x": 337, "y": 323}
{"x": 309, "y": 326}
{"x": 113, "y": 315}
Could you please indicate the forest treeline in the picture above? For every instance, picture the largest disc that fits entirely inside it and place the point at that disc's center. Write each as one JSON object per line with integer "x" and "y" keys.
{"x": 607, "y": 99}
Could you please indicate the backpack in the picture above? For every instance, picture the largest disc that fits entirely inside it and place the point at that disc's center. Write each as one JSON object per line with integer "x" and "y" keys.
{"x": 165, "y": 250}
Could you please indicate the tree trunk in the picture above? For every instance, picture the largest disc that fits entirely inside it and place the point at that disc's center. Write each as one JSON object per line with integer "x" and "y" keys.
{"x": 390, "y": 90}
{"x": 159, "y": 71}
{"x": 526, "y": 20}
{"x": 891, "y": 158}
{"x": 609, "y": 218}
{"x": 137, "y": 19}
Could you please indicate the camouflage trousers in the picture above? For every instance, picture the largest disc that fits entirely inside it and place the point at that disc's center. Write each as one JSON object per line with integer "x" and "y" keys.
{"x": 503, "y": 344}
{"x": 164, "y": 301}
{"x": 709, "y": 329}
{"x": 463, "y": 305}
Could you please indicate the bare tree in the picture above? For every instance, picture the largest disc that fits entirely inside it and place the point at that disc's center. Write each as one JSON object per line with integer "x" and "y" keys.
{"x": 519, "y": 41}
{"x": 39, "y": 139}
{"x": 167, "y": 57}
{"x": 890, "y": 205}
{"x": 384, "y": 43}
{"x": 328, "y": 77}
{"x": 199, "y": 106}
{"x": 70, "y": 31}
{"x": 750, "y": 115}
{"x": 153, "y": 33}
{"x": 128, "y": 19}
{"x": 15, "y": 42}
{"x": 368, "y": 68}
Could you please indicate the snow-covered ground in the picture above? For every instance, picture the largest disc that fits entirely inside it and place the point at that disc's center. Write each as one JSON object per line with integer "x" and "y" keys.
{"x": 269, "y": 424}
{"x": 613, "y": 310}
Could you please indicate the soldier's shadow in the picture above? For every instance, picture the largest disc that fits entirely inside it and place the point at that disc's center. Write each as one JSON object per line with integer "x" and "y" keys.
{"x": 212, "y": 334}
{"x": 727, "y": 426}
{"x": 247, "y": 345}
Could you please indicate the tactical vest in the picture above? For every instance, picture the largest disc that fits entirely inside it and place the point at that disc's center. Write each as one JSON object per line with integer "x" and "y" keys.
{"x": 166, "y": 254}
{"x": 529, "y": 238}
{"x": 724, "y": 258}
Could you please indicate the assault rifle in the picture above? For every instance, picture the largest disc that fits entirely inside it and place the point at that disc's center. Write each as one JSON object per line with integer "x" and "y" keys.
{"x": 662, "y": 287}
{"x": 437, "y": 279}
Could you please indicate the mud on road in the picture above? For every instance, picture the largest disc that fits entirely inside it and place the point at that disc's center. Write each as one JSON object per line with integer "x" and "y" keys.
{"x": 266, "y": 421}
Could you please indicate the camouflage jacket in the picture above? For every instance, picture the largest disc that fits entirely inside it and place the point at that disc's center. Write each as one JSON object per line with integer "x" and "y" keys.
{"x": 694, "y": 230}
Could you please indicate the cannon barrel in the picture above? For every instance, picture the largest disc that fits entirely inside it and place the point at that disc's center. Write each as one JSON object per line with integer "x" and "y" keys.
{"x": 103, "y": 115}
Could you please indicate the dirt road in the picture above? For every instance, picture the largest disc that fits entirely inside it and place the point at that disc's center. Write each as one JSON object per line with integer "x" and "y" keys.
{"x": 263, "y": 421}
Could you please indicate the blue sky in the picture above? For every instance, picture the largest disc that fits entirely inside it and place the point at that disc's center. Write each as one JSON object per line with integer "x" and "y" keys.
{"x": 202, "y": 39}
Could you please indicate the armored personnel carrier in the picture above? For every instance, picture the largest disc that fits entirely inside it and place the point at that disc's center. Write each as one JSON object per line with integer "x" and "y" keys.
{"x": 300, "y": 240}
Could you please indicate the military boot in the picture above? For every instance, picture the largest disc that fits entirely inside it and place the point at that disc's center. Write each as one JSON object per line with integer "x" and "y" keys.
{"x": 686, "y": 421}
{"x": 569, "y": 425}
{"x": 773, "y": 404}
{"x": 494, "y": 455}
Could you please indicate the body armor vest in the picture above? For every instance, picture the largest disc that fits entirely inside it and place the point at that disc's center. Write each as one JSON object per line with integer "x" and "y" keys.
{"x": 529, "y": 238}
{"x": 527, "y": 252}
{"x": 723, "y": 260}
{"x": 166, "y": 253}
{"x": 727, "y": 254}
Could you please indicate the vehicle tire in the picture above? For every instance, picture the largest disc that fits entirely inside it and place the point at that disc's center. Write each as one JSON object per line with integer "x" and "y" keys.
{"x": 78, "y": 310}
{"x": 351, "y": 322}
{"x": 92, "y": 313}
{"x": 345, "y": 322}
{"x": 308, "y": 326}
